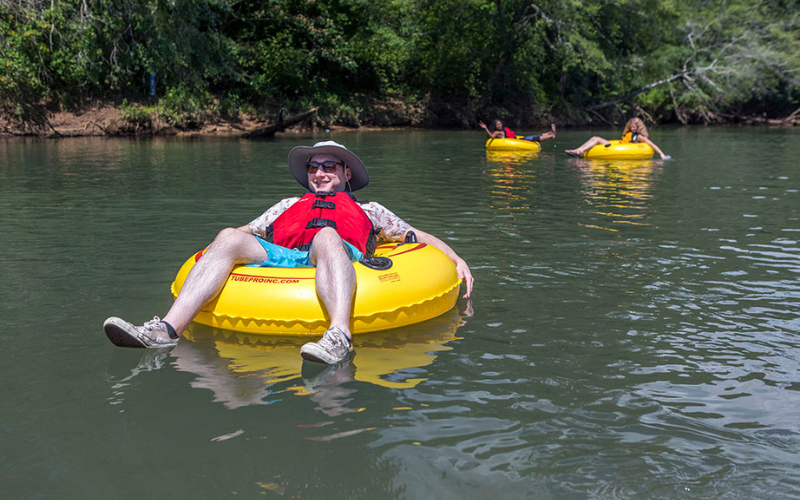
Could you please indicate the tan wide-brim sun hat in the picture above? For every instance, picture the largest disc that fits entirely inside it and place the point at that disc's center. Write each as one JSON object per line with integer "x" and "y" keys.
{"x": 299, "y": 156}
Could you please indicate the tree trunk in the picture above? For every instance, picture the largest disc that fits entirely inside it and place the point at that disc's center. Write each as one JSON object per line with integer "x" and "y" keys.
{"x": 280, "y": 126}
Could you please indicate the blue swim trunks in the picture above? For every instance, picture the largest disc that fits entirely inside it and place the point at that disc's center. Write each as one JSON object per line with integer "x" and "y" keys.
{"x": 278, "y": 256}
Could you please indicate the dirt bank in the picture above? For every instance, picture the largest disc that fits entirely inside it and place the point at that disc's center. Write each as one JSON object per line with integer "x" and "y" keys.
{"x": 105, "y": 121}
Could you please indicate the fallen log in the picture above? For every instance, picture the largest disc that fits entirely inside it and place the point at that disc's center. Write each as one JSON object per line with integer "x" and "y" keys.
{"x": 279, "y": 126}
{"x": 789, "y": 120}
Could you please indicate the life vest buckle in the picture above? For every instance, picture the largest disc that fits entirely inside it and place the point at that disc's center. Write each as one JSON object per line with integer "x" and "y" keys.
{"x": 324, "y": 204}
{"x": 315, "y": 223}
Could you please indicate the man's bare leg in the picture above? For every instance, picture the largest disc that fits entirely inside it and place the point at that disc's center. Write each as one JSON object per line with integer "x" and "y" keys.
{"x": 203, "y": 284}
{"x": 206, "y": 279}
{"x": 336, "y": 284}
{"x": 335, "y": 277}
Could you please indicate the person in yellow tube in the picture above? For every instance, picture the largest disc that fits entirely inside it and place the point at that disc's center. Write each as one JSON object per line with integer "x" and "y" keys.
{"x": 326, "y": 228}
{"x": 635, "y": 131}
{"x": 502, "y": 132}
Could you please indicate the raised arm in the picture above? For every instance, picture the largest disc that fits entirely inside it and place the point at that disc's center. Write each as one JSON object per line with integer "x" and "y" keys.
{"x": 461, "y": 267}
{"x": 495, "y": 135}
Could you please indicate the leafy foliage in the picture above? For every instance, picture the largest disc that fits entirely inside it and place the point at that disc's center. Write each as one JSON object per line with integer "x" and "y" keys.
{"x": 183, "y": 107}
{"x": 455, "y": 60}
{"x": 134, "y": 114}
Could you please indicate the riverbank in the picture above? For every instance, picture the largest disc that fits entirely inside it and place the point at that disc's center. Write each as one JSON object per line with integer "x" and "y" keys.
{"x": 113, "y": 119}
{"x": 107, "y": 121}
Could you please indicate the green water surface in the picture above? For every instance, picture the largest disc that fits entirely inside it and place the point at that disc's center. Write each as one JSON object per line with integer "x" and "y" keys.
{"x": 634, "y": 331}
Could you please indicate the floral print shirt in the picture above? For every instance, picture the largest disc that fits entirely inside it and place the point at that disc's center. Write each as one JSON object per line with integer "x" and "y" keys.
{"x": 392, "y": 227}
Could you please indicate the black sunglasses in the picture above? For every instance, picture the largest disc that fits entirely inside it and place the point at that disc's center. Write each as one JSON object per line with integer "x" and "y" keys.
{"x": 328, "y": 167}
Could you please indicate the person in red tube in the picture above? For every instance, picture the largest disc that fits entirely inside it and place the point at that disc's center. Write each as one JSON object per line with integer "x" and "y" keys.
{"x": 502, "y": 132}
{"x": 325, "y": 228}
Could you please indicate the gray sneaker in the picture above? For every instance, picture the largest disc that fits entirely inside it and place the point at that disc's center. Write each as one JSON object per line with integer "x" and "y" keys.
{"x": 332, "y": 348}
{"x": 154, "y": 333}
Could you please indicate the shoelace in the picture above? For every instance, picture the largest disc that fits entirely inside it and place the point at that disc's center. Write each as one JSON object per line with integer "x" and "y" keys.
{"x": 153, "y": 325}
{"x": 157, "y": 330}
{"x": 335, "y": 339}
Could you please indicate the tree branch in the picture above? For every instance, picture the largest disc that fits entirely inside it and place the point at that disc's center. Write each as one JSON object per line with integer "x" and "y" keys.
{"x": 280, "y": 126}
{"x": 628, "y": 96}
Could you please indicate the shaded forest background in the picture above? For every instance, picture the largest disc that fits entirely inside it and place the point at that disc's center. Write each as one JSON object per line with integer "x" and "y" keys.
{"x": 430, "y": 63}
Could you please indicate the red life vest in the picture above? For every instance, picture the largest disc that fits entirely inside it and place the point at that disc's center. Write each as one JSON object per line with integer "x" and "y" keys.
{"x": 510, "y": 133}
{"x": 297, "y": 226}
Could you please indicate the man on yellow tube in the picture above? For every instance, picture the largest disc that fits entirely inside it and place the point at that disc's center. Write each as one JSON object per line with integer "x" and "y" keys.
{"x": 325, "y": 229}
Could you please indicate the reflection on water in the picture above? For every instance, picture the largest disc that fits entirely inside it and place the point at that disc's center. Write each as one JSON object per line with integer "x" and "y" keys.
{"x": 511, "y": 157}
{"x": 617, "y": 191}
{"x": 511, "y": 179}
{"x": 242, "y": 369}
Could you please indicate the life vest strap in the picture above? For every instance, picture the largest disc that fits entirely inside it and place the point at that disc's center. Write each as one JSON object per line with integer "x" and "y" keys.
{"x": 324, "y": 204}
{"x": 315, "y": 223}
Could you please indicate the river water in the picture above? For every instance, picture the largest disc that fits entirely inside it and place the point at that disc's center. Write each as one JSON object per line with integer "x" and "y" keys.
{"x": 634, "y": 330}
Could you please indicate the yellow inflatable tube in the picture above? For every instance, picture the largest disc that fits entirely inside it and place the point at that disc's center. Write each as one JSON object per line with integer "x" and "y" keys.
{"x": 619, "y": 150}
{"x": 421, "y": 283}
{"x": 512, "y": 145}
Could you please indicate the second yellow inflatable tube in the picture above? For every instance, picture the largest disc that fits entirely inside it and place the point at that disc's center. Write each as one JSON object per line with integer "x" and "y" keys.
{"x": 619, "y": 150}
